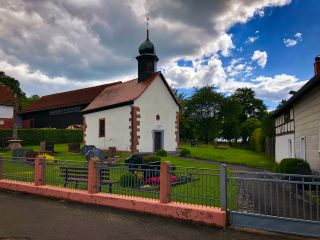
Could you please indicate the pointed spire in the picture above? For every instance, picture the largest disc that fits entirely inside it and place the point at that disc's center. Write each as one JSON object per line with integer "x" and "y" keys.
{"x": 148, "y": 18}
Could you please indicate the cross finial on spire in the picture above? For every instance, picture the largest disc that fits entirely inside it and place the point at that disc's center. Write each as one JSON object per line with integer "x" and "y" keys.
{"x": 148, "y": 18}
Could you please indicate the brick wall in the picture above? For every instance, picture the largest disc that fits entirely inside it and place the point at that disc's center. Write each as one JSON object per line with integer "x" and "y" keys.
{"x": 177, "y": 129}
{"x": 135, "y": 128}
{"x": 84, "y": 128}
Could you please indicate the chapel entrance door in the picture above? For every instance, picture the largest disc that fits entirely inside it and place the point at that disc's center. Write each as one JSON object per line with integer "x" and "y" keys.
{"x": 158, "y": 140}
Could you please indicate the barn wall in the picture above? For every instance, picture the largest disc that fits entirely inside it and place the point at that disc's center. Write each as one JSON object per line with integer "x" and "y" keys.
{"x": 55, "y": 118}
{"x": 117, "y": 132}
{"x": 157, "y": 100}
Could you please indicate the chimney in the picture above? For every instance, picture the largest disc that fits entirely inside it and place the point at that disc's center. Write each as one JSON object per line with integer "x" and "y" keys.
{"x": 317, "y": 65}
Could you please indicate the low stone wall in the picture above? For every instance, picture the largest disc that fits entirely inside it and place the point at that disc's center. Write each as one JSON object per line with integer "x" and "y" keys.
{"x": 204, "y": 215}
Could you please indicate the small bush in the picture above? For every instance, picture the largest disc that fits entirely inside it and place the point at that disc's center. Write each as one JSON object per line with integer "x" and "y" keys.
{"x": 129, "y": 180}
{"x": 293, "y": 165}
{"x": 161, "y": 153}
{"x": 185, "y": 153}
{"x": 151, "y": 158}
{"x": 276, "y": 168}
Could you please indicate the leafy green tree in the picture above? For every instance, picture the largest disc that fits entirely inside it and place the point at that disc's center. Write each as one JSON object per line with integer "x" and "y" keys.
{"x": 247, "y": 128}
{"x": 13, "y": 84}
{"x": 268, "y": 125}
{"x": 283, "y": 101}
{"x": 252, "y": 107}
{"x": 257, "y": 140}
{"x": 186, "y": 128}
{"x": 24, "y": 102}
{"x": 205, "y": 110}
{"x": 231, "y": 122}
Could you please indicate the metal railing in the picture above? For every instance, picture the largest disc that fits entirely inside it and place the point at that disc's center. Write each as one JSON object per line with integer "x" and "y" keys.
{"x": 18, "y": 169}
{"x": 141, "y": 180}
{"x": 290, "y": 196}
{"x": 67, "y": 173}
{"x": 199, "y": 186}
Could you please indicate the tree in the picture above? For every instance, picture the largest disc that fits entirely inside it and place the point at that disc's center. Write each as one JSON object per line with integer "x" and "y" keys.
{"x": 13, "y": 84}
{"x": 283, "y": 101}
{"x": 28, "y": 100}
{"x": 231, "y": 122}
{"x": 247, "y": 128}
{"x": 267, "y": 125}
{"x": 185, "y": 122}
{"x": 205, "y": 108}
{"x": 252, "y": 107}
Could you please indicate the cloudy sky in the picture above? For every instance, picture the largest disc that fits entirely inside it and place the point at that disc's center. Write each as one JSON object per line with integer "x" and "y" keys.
{"x": 58, "y": 45}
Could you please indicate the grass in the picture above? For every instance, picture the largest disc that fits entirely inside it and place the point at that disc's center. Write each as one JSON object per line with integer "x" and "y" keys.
{"x": 204, "y": 190}
{"x": 231, "y": 156}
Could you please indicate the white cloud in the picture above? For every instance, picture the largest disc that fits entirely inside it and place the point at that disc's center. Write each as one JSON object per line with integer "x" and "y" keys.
{"x": 203, "y": 72}
{"x": 252, "y": 39}
{"x": 76, "y": 43}
{"x": 272, "y": 88}
{"x": 289, "y": 42}
{"x": 298, "y": 36}
{"x": 260, "y": 57}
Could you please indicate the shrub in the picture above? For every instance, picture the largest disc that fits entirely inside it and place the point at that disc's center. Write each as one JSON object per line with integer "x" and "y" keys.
{"x": 161, "y": 153}
{"x": 151, "y": 158}
{"x": 129, "y": 180}
{"x": 184, "y": 153}
{"x": 257, "y": 140}
{"x": 34, "y": 136}
{"x": 293, "y": 165}
{"x": 276, "y": 168}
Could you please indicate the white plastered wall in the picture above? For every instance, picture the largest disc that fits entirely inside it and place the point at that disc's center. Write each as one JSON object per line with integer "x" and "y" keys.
{"x": 282, "y": 147}
{"x": 157, "y": 100}
{"x": 117, "y": 132}
{"x": 6, "y": 111}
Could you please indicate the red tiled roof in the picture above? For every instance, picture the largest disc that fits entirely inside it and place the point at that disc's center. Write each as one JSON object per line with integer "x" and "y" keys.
{"x": 6, "y": 96}
{"x": 70, "y": 98}
{"x": 124, "y": 92}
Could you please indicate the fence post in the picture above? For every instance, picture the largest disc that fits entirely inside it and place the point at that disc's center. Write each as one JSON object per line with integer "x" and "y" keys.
{"x": 223, "y": 186}
{"x": 165, "y": 182}
{"x": 39, "y": 171}
{"x": 1, "y": 166}
{"x": 93, "y": 177}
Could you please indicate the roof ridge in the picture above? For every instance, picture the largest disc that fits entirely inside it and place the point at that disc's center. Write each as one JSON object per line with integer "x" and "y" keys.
{"x": 76, "y": 90}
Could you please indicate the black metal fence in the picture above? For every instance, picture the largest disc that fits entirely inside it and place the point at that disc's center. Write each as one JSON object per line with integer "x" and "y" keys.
{"x": 67, "y": 173}
{"x": 18, "y": 169}
{"x": 200, "y": 186}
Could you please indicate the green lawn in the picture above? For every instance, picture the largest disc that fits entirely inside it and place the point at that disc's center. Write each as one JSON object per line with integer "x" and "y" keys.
{"x": 231, "y": 156}
{"x": 202, "y": 187}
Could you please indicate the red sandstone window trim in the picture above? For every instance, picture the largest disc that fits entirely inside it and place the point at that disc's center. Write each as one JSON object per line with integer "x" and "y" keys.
{"x": 102, "y": 127}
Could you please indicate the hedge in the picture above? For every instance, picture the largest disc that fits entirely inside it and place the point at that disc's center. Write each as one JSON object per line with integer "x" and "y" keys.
{"x": 292, "y": 166}
{"x": 34, "y": 136}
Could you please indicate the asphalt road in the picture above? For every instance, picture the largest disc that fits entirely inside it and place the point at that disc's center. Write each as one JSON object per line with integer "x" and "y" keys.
{"x": 25, "y": 216}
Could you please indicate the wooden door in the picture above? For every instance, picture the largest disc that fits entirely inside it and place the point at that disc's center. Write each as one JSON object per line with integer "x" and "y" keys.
{"x": 157, "y": 140}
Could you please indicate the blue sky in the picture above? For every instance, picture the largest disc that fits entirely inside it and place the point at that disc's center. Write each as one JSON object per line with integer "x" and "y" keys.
{"x": 268, "y": 45}
{"x": 267, "y": 34}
